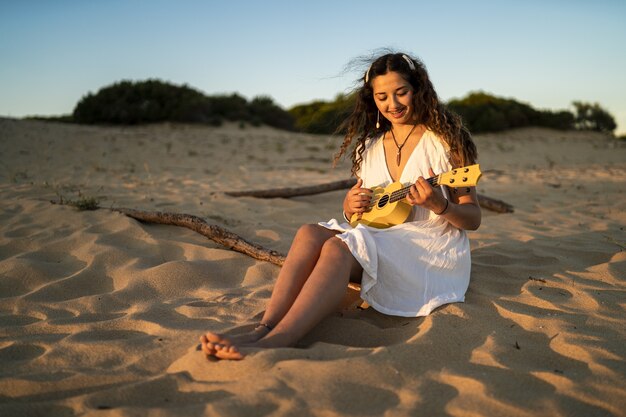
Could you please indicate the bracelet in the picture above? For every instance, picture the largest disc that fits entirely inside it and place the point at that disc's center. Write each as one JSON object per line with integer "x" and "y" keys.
{"x": 346, "y": 217}
{"x": 445, "y": 208}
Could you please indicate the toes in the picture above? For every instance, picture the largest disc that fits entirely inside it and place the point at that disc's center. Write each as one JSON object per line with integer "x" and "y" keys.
{"x": 229, "y": 352}
{"x": 216, "y": 345}
{"x": 208, "y": 348}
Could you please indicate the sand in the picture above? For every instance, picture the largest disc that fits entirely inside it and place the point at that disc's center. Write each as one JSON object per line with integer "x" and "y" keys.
{"x": 100, "y": 314}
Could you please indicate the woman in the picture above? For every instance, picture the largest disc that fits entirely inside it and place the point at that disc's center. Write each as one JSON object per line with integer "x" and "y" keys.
{"x": 401, "y": 133}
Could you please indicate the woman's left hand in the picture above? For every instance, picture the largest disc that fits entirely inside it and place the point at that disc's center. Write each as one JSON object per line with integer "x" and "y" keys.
{"x": 424, "y": 195}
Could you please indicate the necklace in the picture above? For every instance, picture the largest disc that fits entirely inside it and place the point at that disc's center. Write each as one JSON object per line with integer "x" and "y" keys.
{"x": 399, "y": 154}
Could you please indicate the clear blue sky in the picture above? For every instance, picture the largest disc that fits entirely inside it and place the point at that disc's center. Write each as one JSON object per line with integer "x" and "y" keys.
{"x": 545, "y": 53}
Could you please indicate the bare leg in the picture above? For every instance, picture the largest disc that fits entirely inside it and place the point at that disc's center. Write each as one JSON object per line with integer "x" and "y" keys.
{"x": 301, "y": 259}
{"x": 320, "y": 295}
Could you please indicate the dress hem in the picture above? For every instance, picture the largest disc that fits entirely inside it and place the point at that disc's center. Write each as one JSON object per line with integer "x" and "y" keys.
{"x": 422, "y": 312}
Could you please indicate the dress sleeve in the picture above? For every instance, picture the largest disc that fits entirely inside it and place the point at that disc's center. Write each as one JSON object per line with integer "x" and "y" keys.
{"x": 443, "y": 164}
{"x": 443, "y": 160}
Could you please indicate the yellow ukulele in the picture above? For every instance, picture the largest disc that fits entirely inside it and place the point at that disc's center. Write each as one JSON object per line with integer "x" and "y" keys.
{"x": 389, "y": 206}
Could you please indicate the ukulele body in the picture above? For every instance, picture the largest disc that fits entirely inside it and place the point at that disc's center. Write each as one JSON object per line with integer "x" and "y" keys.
{"x": 384, "y": 213}
{"x": 390, "y": 208}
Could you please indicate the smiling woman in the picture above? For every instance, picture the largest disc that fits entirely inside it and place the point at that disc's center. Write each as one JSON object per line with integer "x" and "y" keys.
{"x": 405, "y": 86}
{"x": 401, "y": 134}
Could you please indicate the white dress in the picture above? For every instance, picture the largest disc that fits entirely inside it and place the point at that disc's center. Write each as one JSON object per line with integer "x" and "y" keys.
{"x": 412, "y": 268}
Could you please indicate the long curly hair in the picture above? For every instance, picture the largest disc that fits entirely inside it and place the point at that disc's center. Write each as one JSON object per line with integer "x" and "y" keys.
{"x": 361, "y": 123}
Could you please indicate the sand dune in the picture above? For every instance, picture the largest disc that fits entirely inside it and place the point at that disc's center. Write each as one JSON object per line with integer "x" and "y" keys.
{"x": 100, "y": 314}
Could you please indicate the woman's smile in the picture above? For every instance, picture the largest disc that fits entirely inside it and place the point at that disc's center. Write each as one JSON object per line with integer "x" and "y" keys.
{"x": 398, "y": 114}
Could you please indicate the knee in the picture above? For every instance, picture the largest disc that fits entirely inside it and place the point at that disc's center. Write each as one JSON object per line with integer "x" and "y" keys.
{"x": 336, "y": 248}
{"x": 310, "y": 232}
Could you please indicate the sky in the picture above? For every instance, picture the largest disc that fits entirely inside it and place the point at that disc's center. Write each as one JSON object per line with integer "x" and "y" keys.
{"x": 545, "y": 53}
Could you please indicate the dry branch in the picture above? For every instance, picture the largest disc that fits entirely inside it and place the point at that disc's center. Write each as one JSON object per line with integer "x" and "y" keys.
{"x": 295, "y": 191}
{"x": 492, "y": 204}
{"x": 199, "y": 225}
{"x": 211, "y": 231}
{"x": 485, "y": 202}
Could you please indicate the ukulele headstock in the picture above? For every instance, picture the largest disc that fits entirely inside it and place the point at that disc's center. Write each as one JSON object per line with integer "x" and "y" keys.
{"x": 461, "y": 177}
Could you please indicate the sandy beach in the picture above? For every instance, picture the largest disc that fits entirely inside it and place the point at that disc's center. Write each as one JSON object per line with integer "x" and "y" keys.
{"x": 100, "y": 314}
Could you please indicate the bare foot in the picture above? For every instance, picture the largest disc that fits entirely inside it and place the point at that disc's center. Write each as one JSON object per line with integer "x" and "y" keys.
{"x": 212, "y": 342}
{"x": 229, "y": 352}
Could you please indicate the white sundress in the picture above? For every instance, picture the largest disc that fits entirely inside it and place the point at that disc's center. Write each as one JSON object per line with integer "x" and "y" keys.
{"x": 412, "y": 268}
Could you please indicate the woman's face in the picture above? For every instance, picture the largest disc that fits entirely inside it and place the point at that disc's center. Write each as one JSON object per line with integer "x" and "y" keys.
{"x": 393, "y": 96}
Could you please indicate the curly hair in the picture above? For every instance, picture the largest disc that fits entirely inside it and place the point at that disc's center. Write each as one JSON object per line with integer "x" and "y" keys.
{"x": 361, "y": 123}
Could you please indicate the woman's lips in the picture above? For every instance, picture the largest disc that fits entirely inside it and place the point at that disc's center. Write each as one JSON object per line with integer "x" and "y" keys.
{"x": 398, "y": 114}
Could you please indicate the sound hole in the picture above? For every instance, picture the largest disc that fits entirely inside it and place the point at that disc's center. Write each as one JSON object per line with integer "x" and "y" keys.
{"x": 383, "y": 201}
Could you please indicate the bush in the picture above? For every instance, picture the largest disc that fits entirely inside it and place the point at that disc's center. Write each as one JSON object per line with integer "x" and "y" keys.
{"x": 482, "y": 112}
{"x": 593, "y": 117}
{"x": 266, "y": 111}
{"x": 561, "y": 119}
{"x": 321, "y": 116}
{"x": 128, "y": 102}
{"x": 151, "y": 101}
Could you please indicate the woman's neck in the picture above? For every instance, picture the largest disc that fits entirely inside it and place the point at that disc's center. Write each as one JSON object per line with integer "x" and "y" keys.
{"x": 402, "y": 130}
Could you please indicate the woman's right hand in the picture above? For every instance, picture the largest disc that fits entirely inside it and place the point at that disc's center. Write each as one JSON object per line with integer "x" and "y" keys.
{"x": 357, "y": 199}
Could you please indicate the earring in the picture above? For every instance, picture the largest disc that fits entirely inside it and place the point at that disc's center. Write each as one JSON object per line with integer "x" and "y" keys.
{"x": 378, "y": 120}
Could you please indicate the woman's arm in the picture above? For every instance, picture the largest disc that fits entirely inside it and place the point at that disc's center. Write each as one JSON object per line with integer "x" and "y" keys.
{"x": 462, "y": 210}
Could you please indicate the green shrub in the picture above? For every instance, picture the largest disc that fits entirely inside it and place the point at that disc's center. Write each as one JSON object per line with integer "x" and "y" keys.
{"x": 266, "y": 111}
{"x": 151, "y": 101}
{"x": 593, "y": 117}
{"x": 321, "y": 116}
{"x": 483, "y": 112}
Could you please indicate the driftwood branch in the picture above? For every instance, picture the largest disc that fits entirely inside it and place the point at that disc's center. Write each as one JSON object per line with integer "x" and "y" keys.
{"x": 295, "y": 191}
{"x": 211, "y": 231}
{"x": 485, "y": 202}
{"x": 492, "y": 204}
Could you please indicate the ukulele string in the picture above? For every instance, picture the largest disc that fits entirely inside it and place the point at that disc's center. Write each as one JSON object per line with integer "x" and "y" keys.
{"x": 401, "y": 193}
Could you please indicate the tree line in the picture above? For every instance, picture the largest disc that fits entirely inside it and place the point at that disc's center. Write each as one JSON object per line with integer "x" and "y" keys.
{"x": 152, "y": 101}
{"x": 480, "y": 111}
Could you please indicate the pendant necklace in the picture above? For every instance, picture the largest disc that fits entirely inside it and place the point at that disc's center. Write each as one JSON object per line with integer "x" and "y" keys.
{"x": 399, "y": 154}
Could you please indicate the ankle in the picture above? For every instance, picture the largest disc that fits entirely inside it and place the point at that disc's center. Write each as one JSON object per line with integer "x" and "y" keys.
{"x": 276, "y": 340}
{"x": 263, "y": 328}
